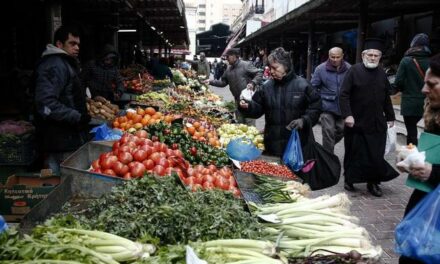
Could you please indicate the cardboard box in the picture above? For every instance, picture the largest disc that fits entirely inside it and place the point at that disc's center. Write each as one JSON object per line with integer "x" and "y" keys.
{"x": 22, "y": 192}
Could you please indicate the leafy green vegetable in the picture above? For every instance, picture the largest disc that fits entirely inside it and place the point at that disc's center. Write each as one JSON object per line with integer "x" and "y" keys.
{"x": 159, "y": 207}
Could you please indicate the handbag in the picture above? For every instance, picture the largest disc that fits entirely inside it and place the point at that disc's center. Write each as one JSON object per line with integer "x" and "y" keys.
{"x": 322, "y": 168}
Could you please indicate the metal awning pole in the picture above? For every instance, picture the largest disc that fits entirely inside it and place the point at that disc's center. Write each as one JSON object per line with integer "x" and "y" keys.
{"x": 310, "y": 49}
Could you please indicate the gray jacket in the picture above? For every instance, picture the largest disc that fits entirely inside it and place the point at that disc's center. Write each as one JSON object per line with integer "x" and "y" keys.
{"x": 203, "y": 68}
{"x": 238, "y": 76}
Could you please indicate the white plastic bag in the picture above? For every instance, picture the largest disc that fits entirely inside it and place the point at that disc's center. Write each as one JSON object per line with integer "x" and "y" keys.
{"x": 414, "y": 158}
{"x": 246, "y": 94}
{"x": 391, "y": 140}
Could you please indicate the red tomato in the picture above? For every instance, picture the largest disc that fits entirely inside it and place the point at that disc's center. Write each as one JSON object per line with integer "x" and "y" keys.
{"x": 109, "y": 172}
{"x": 95, "y": 164}
{"x": 232, "y": 182}
{"x": 148, "y": 142}
{"x": 169, "y": 152}
{"x": 155, "y": 156}
{"x": 208, "y": 178}
{"x": 208, "y": 186}
{"x": 140, "y": 155}
{"x": 125, "y": 157}
{"x": 199, "y": 168}
{"x": 127, "y": 176}
{"x": 162, "y": 154}
{"x": 190, "y": 181}
{"x": 206, "y": 171}
{"x": 156, "y": 146}
{"x": 163, "y": 147}
{"x": 222, "y": 183}
{"x": 124, "y": 139}
{"x": 103, "y": 156}
{"x": 116, "y": 145}
{"x": 171, "y": 162}
{"x": 147, "y": 149}
{"x": 191, "y": 172}
{"x": 124, "y": 148}
{"x": 141, "y": 133}
{"x": 178, "y": 153}
{"x": 117, "y": 166}
{"x": 108, "y": 162}
{"x": 163, "y": 162}
{"x": 196, "y": 187}
{"x": 179, "y": 172}
{"x": 212, "y": 168}
{"x": 130, "y": 144}
{"x": 159, "y": 170}
{"x": 154, "y": 138}
{"x": 169, "y": 171}
{"x": 149, "y": 164}
{"x": 138, "y": 170}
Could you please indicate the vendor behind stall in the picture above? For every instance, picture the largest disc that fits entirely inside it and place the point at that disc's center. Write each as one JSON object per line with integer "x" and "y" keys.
{"x": 161, "y": 70}
{"x": 102, "y": 75}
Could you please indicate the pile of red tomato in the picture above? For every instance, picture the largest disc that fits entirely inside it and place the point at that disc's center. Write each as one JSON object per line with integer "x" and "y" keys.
{"x": 209, "y": 177}
{"x": 134, "y": 155}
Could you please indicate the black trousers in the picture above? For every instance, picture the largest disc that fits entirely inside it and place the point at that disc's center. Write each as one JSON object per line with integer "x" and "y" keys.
{"x": 411, "y": 128}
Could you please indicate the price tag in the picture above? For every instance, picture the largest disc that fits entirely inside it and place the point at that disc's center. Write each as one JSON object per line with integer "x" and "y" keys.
{"x": 191, "y": 257}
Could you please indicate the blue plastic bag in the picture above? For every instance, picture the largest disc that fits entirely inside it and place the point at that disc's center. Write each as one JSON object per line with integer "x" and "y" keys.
{"x": 3, "y": 224}
{"x": 103, "y": 132}
{"x": 242, "y": 149}
{"x": 418, "y": 235}
{"x": 293, "y": 156}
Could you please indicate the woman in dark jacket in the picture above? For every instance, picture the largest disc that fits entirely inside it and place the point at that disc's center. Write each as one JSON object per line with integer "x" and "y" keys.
{"x": 409, "y": 80}
{"x": 428, "y": 172}
{"x": 287, "y": 101}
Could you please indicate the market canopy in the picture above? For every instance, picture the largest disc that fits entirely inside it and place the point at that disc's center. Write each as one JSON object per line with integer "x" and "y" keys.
{"x": 336, "y": 15}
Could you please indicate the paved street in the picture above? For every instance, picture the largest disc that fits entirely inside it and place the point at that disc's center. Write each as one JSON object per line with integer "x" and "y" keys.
{"x": 378, "y": 215}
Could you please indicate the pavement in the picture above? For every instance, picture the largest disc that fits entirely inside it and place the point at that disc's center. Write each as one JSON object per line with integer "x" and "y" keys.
{"x": 379, "y": 215}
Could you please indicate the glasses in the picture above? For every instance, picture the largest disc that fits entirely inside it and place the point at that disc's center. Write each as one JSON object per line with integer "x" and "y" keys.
{"x": 372, "y": 55}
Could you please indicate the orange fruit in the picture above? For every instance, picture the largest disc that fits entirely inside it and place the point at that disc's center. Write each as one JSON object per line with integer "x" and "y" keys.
{"x": 150, "y": 110}
{"x": 122, "y": 119}
{"x": 196, "y": 124}
{"x": 137, "y": 118}
{"x": 138, "y": 125}
{"x": 151, "y": 121}
{"x": 116, "y": 124}
{"x": 130, "y": 115}
{"x": 140, "y": 111}
{"x": 191, "y": 130}
{"x": 144, "y": 121}
{"x": 212, "y": 141}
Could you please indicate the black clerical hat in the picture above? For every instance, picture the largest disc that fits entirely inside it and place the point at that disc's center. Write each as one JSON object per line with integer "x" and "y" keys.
{"x": 374, "y": 43}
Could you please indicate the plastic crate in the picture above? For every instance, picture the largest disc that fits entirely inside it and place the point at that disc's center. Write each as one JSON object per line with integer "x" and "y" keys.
{"x": 18, "y": 151}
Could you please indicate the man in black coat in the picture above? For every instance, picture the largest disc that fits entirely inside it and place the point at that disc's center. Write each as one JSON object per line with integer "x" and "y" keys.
{"x": 366, "y": 108}
{"x": 60, "y": 100}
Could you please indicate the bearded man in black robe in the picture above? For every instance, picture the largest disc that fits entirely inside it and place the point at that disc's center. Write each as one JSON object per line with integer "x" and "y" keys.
{"x": 367, "y": 111}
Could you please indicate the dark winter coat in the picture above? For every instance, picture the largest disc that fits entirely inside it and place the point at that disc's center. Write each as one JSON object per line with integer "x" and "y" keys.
{"x": 328, "y": 80}
{"x": 103, "y": 80}
{"x": 238, "y": 76}
{"x": 365, "y": 96}
{"x": 410, "y": 82}
{"x": 60, "y": 102}
{"x": 281, "y": 102}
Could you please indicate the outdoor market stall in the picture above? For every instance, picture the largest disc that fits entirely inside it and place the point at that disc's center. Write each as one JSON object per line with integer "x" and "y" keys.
{"x": 168, "y": 189}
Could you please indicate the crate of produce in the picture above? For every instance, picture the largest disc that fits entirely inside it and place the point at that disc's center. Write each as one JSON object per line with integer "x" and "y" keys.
{"x": 17, "y": 143}
{"x": 84, "y": 182}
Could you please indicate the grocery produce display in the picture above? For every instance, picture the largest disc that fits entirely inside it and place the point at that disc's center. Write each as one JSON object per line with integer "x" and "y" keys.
{"x": 179, "y": 192}
{"x": 228, "y": 132}
{"x": 101, "y": 108}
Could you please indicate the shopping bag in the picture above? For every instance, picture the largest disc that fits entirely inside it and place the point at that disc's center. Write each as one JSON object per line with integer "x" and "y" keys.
{"x": 292, "y": 156}
{"x": 322, "y": 169}
{"x": 103, "y": 132}
{"x": 418, "y": 234}
{"x": 390, "y": 145}
{"x": 242, "y": 149}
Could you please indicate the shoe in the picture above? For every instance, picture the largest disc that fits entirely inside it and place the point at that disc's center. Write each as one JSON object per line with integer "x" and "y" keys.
{"x": 349, "y": 187}
{"x": 374, "y": 189}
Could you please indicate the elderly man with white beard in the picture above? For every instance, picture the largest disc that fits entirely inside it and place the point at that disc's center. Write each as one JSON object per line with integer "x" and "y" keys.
{"x": 367, "y": 111}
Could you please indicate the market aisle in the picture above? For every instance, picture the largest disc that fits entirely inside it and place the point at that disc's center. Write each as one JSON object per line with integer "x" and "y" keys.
{"x": 379, "y": 215}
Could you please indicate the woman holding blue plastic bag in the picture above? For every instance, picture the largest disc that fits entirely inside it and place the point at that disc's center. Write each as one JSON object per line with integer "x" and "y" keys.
{"x": 427, "y": 172}
{"x": 287, "y": 101}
